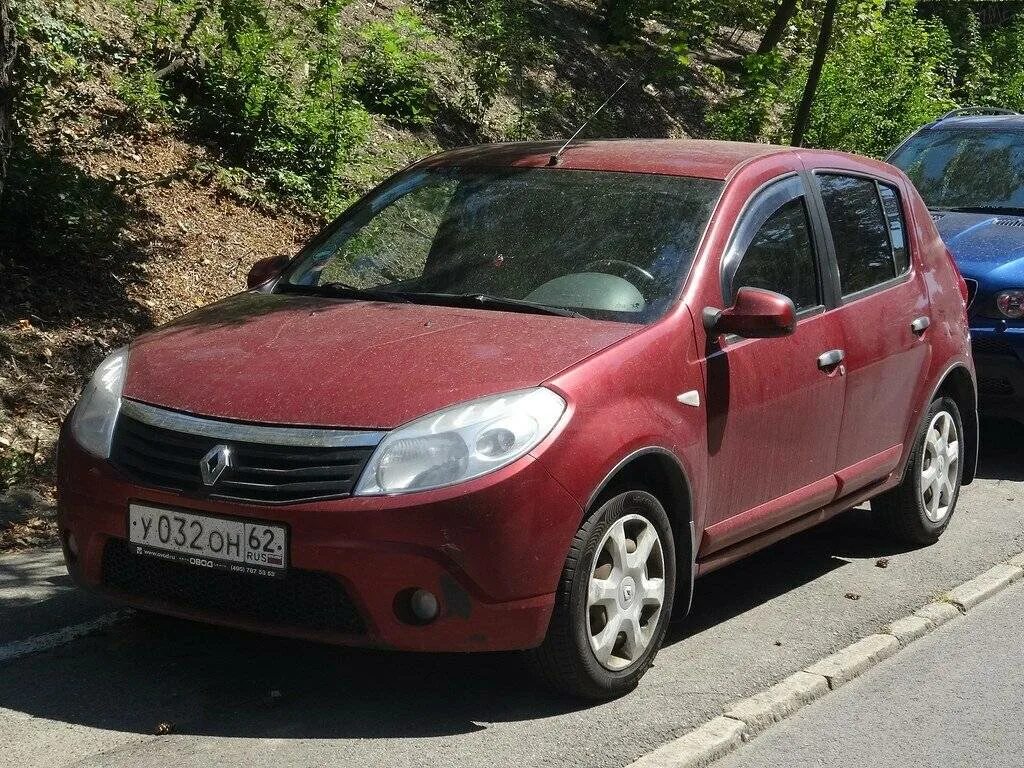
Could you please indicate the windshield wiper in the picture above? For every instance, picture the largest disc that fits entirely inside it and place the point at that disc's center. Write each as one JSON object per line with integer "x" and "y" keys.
{"x": 1008, "y": 210}
{"x": 492, "y": 302}
{"x": 345, "y": 291}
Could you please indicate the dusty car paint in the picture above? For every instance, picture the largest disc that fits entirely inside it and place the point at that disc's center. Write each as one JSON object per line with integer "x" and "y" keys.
{"x": 774, "y": 445}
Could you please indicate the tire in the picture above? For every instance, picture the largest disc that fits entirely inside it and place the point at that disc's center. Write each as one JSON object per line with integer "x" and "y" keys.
{"x": 912, "y": 512}
{"x": 567, "y": 661}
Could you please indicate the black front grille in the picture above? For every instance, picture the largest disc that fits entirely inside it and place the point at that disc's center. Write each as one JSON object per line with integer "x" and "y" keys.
{"x": 985, "y": 345}
{"x": 269, "y": 474}
{"x": 304, "y": 600}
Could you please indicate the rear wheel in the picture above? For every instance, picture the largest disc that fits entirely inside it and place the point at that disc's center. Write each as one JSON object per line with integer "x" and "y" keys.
{"x": 919, "y": 509}
{"x": 614, "y": 600}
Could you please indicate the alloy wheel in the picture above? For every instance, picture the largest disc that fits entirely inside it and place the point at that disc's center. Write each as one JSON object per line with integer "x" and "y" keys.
{"x": 626, "y": 592}
{"x": 940, "y": 467}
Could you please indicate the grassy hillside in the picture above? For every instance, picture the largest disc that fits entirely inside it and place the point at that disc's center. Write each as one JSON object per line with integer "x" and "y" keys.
{"x": 162, "y": 146}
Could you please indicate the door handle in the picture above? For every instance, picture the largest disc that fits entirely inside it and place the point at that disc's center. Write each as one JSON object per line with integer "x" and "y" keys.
{"x": 830, "y": 359}
{"x": 920, "y": 324}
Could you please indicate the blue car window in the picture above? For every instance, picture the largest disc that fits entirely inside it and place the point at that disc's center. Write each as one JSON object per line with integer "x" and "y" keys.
{"x": 966, "y": 169}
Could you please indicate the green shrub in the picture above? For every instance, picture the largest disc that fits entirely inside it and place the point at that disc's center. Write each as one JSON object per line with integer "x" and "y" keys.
{"x": 882, "y": 83}
{"x": 53, "y": 50}
{"x": 140, "y": 90}
{"x": 391, "y": 74}
{"x": 886, "y": 73}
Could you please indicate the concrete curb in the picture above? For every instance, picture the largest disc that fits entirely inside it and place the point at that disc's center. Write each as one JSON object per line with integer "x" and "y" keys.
{"x": 749, "y": 717}
{"x": 981, "y": 588}
{"x": 701, "y": 746}
{"x": 762, "y": 710}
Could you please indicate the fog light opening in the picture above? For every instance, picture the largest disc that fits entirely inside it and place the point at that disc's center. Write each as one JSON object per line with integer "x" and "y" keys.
{"x": 417, "y": 606}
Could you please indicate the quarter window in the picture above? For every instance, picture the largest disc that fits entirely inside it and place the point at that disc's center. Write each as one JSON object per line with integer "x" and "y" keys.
{"x": 780, "y": 258}
{"x": 897, "y": 229}
{"x": 860, "y": 232}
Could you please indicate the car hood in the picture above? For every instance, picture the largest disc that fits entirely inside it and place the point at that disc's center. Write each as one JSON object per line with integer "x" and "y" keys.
{"x": 303, "y": 360}
{"x": 987, "y": 248}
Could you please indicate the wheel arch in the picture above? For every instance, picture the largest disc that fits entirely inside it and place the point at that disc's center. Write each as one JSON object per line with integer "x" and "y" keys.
{"x": 661, "y": 471}
{"x": 957, "y": 383}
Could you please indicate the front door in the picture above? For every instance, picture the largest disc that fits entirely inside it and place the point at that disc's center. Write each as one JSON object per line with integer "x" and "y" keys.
{"x": 774, "y": 405}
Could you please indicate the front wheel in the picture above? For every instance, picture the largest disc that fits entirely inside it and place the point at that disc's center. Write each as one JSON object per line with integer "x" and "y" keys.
{"x": 614, "y": 600}
{"x": 919, "y": 509}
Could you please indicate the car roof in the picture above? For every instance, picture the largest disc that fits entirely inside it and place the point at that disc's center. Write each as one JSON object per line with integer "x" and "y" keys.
{"x": 676, "y": 157}
{"x": 977, "y": 123}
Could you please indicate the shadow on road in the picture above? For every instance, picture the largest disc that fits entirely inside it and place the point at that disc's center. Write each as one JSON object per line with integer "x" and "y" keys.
{"x": 1002, "y": 450}
{"x": 217, "y": 682}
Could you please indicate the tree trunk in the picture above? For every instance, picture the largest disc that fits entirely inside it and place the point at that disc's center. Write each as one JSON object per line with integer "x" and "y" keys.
{"x": 7, "y": 49}
{"x": 824, "y": 37}
{"x": 777, "y": 26}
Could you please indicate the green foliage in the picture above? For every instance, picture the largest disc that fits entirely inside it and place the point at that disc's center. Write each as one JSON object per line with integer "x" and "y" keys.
{"x": 390, "y": 76}
{"x": 20, "y": 468}
{"x": 887, "y": 72}
{"x": 140, "y": 91}
{"x": 499, "y": 45}
{"x": 1005, "y": 80}
{"x": 52, "y": 49}
{"x": 879, "y": 84}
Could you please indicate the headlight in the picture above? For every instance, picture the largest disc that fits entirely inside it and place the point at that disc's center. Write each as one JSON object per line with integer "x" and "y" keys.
{"x": 1011, "y": 303}
{"x": 93, "y": 422}
{"x": 461, "y": 442}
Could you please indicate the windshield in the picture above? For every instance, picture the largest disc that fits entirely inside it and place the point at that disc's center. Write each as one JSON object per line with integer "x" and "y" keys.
{"x": 612, "y": 246}
{"x": 981, "y": 170}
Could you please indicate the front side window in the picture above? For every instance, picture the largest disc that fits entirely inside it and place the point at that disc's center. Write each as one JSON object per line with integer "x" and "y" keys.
{"x": 966, "y": 169}
{"x": 613, "y": 246}
{"x": 860, "y": 231}
{"x": 780, "y": 257}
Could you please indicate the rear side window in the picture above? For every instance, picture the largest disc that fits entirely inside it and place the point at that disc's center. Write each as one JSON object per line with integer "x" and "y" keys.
{"x": 860, "y": 231}
{"x": 780, "y": 258}
{"x": 897, "y": 229}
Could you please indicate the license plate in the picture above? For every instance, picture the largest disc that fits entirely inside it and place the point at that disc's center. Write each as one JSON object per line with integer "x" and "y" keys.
{"x": 241, "y": 546}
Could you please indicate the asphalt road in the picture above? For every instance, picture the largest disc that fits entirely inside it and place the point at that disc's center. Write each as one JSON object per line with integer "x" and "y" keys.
{"x": 239, "y": 700}
{"x": 952, "y": 698}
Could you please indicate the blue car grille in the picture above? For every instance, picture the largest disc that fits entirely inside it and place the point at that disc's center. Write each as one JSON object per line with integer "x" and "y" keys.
{"x": 986, "y": 345}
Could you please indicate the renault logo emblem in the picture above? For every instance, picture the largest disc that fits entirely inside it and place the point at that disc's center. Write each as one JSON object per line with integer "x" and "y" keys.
{"x": 213, "y": 464}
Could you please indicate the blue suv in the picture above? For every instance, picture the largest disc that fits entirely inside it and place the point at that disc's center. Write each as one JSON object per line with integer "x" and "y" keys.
{"x": 969, "y": 167}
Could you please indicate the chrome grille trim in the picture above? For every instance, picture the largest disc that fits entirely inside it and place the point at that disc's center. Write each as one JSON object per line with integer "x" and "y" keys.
{"x": 304, "y": 437}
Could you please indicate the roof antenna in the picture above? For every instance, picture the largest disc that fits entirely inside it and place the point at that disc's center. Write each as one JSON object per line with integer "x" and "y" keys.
{"x": 553, "y": 160}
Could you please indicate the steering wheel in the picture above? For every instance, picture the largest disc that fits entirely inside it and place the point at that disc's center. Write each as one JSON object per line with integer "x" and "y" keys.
{"x": 604, "y": 265}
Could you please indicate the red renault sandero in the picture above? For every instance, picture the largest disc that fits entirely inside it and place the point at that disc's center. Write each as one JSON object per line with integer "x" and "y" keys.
{"x": 520, "y": 396}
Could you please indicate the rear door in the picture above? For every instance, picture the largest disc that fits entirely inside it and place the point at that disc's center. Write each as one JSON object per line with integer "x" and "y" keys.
{"x": 884, "y": 316}
{"x": 774, "y": 405}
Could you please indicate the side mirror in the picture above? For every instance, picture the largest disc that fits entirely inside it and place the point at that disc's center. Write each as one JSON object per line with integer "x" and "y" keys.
{"x": 266, "y": 269}
{"x": 755, "y": 314}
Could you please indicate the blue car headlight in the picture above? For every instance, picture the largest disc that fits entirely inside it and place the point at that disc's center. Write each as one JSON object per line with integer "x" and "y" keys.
{"x": 1011, "y": 303}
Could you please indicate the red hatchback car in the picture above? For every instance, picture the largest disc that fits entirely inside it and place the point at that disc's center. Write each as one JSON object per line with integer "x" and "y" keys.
{"x": 521, "y": 399}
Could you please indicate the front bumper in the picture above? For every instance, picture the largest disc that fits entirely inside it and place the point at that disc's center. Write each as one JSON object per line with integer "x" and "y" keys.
{"x": 998, "y": 350}
{"x": 491, "y": 550}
